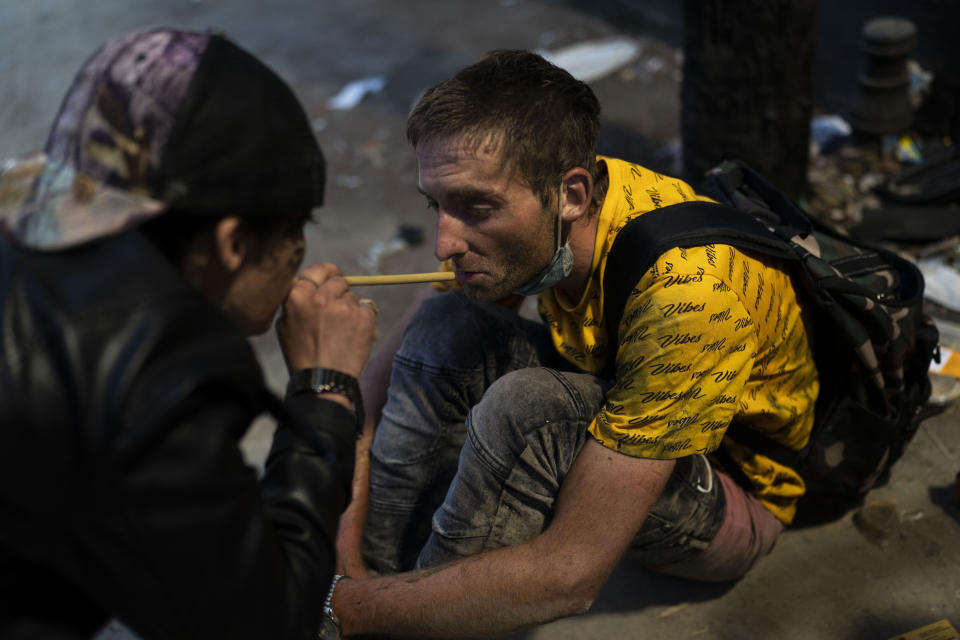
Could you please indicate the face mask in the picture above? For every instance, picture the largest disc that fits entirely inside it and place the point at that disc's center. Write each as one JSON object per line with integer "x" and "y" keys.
{"x": 558, "y": 269}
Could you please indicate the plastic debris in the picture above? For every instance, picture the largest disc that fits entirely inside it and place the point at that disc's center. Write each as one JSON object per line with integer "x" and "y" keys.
{"x": 945, "y": 384}
{"x": 908, "y": 151}
{"x": 654, "y": 64}
{"x": 949, "y": 364}
{"x": 407, "y": 236}
{"x": 921, "y": 82}
{"x": 902, "y": 149}
{"x": 913, "y": 516}
{"x": 829, "y": 132}
{"x": 370, "y": 262}
{"x": 594, "y": 59}
{"x": 351, "y": 94}
{"x": 936, "y": 181}
{"x": 941, "y": 282}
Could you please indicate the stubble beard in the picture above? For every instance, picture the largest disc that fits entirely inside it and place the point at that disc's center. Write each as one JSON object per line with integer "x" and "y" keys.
{"x": 513, "y": 275}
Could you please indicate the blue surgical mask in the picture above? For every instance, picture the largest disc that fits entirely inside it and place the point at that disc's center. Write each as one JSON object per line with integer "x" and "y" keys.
{"x": 559, "y": 268}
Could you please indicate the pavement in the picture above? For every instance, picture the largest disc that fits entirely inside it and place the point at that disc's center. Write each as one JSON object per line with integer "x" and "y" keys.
{"x": 830, "y": 581}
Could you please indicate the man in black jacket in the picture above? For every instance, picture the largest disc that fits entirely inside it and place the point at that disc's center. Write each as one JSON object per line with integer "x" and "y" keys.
{"x": 162, "y": 222}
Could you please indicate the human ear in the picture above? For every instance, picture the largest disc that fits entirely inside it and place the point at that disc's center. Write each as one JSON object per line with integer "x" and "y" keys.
{"x": 577, "y": 191}
{"x": 230, "y": 243}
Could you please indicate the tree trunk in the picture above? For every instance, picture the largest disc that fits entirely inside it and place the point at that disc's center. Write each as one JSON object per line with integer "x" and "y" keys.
{"x": 748, "y": 86}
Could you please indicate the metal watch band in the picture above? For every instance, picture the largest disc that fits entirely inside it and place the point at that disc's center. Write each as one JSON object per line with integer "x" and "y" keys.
{"x": 330, "y": 628}
{"x": 321, "y": 380}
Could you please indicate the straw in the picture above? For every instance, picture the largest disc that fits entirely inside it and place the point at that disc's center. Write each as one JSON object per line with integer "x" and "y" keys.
{"x": 403, "y": 278}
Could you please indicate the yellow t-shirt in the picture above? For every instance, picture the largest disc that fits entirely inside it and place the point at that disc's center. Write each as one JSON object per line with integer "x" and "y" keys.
{"x": 710, "y": 335}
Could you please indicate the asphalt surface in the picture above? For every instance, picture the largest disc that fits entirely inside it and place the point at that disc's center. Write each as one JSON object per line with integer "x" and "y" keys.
{"x": 829, "y": 581}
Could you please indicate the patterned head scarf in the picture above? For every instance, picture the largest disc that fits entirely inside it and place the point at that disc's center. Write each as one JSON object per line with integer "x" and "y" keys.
{"x": 163, "y": 119}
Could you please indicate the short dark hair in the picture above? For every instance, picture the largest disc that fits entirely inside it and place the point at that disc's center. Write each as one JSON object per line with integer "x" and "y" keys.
{"x": 545, "y": 121}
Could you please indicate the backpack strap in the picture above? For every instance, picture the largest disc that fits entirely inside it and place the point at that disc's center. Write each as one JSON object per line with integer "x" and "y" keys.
{"x": 689, "y": 224}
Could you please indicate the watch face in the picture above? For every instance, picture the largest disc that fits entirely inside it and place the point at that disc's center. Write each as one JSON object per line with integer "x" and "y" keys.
{"x": 329, "y": 630}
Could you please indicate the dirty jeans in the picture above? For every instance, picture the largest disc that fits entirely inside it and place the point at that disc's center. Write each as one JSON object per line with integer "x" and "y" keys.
{"x": 482, "y": 422}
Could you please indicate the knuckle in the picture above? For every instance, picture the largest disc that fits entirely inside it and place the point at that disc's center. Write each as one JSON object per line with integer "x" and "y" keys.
{"x": 331, "y": 269}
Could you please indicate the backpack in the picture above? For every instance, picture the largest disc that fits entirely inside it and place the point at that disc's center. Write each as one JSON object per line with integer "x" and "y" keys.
{"x": 872, "y": 343}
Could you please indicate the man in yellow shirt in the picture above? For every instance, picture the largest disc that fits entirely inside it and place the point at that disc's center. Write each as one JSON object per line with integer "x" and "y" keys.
{"x": 540, "y": 473}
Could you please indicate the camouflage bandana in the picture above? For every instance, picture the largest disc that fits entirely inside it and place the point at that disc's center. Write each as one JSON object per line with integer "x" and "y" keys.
{"x": 99, "y": 171}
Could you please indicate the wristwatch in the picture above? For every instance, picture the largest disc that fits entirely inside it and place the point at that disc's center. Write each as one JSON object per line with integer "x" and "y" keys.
{"x": 320, "y": 380}
{"x": 329, "y": 625}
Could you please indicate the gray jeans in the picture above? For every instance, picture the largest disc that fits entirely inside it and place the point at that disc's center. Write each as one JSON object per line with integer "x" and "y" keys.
{"x": 481, "y": 425}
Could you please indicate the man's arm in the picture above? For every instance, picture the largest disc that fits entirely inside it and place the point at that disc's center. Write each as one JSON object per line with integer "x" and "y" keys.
{"x": 373, "y": 387}
{"x": 204, "y": 550}
{"x": 602, "y": 503}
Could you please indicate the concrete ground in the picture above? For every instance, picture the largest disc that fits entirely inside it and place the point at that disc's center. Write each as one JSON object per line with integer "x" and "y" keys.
{"x": 829, "y": 581}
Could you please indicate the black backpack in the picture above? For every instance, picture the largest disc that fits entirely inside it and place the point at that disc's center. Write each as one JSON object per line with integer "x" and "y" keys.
{"x": 871, "y": 340}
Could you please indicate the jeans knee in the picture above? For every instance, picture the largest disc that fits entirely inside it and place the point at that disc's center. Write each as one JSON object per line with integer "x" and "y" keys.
{"x": 526, "y": 395}
{"x": 527, "y": 401}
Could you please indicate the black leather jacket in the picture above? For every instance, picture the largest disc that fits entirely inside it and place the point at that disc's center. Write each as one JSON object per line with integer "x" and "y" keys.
{"x": 123, "y": 395}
